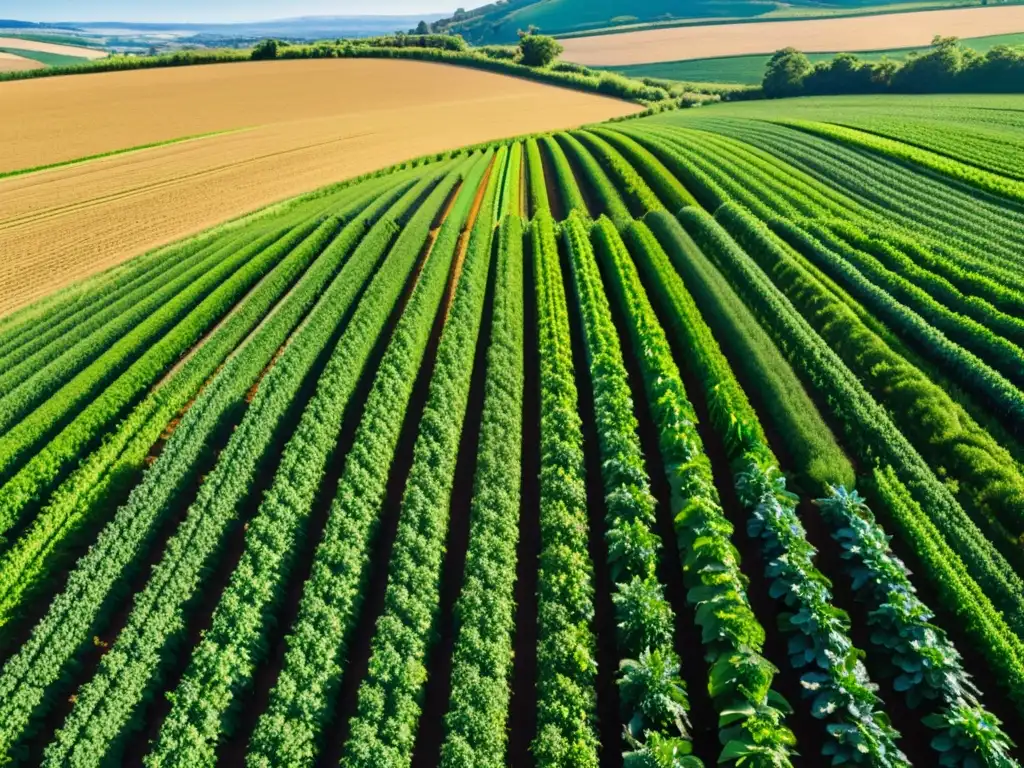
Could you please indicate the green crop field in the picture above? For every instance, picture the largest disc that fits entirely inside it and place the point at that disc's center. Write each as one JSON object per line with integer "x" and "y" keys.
{"x": 749, "y": 70}
{"x": 694, "y": 439}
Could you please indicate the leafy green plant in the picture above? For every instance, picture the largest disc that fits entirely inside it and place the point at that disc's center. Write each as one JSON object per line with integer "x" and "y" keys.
{"x": 654, "y": 697}
{"x": 751, "y": 716}
{"x": 651, "y": 688}
{"x": 836, "y": 682}
{"x": 923, "y": 664}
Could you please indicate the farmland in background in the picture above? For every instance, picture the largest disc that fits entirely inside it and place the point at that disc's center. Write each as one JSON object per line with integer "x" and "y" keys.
{"x": 749, "y": 70}
{"x": 12, "y": 62}
{"x": 58, "y": 49}
{"x": 97, "y": 205}
{"x": 862, "y": 33}
{"x": 48, "y": 53}
{"x": 540, "y": 453}
{"x": 498, "y": 22}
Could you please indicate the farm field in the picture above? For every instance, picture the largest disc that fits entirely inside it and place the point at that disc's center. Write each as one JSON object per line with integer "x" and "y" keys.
{"x": 499, "y": 22}
{"x": 46, "y": 59}
{"x": 749, "y": 70}
{"x": 861, "y": 33}
{"x": 57, "y": 49}
{"x": 233, "y": 155}
{"x": 12, "y": 62}
{"x": 695, "y": 435}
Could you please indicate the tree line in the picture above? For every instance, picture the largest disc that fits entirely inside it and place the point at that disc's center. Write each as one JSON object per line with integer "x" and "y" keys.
{"x": 948, "y": 67}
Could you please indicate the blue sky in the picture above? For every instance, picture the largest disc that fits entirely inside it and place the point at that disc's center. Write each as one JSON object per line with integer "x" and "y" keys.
{"x": 204, "y": 11}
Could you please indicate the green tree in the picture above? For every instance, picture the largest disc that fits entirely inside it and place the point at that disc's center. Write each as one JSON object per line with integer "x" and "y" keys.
{"x": 265, "y": 49}
{"x": 538, "y": 50}
{"x": 785, "y": 73}
{"x": 423, "y": 28}
{"x": 937, "y": 70}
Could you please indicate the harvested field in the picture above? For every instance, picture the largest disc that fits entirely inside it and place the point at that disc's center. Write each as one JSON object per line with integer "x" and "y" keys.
{"x": 862, "y": 33}
{"x": 9, "y": 62}
{"x": 309, "y": 123}
{"x": 60, "y": 50}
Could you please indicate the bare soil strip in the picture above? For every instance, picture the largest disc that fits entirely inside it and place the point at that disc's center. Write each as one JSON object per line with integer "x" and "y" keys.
{"x": 330, "y": 120}
{"x": 860, "y": 33}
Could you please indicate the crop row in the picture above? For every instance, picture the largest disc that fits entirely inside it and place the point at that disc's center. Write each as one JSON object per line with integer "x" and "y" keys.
{"x": 383, "y": 729}
{"x": 565, "y": 180}
{"x": 959, "y": 345}
{"x": 986, "y": 180}
{"x": 291, "y": 730}
{"x": 653, "y": 696}
{"x": 893, "y": 193}
{"x": 106, "y": 705}
{"x": 222, "y": 665}
{"x": 43, "y": 468}
{"x": 956, "y": 284}
{"x": 475, "y": 724}
{"x": 21, "y": 364}
{"x": 635, "y": 193}
{"x": 984, "y": 146}
{"x": 668, "y": 190}
{"x": 566, "y": 646}
{"x": 814, "y": 198}
{"x": 832, "y": 676}
{"x": 89, "y": 299}
{"x": 607, "y": 198}
{"x": 107, "y": 569}
{"x": 120, "y": 458}
{"x": 782, "y": 401}
{"x": 537, "y": 185}
{"x": 867, "y": 427}
{"x": 72, "y": 379}
{"x": 751, "y": 715}
{"x": 918, "y": 656}
{"x": 989, "y": 481}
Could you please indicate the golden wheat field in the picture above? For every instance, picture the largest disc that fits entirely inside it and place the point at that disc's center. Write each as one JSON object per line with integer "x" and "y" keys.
{"x": 284, "y": 128}
{"x": 862, "y": 33}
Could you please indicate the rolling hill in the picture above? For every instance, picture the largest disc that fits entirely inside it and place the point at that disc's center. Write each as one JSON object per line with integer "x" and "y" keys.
{"x": 499, "y": 22}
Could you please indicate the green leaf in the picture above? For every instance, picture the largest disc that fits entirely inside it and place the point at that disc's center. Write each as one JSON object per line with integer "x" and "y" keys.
{"x": 734, "y": 750}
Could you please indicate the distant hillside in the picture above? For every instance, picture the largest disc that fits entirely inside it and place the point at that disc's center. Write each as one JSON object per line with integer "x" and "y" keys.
{"x": 18, "y": 24}
{"x": 499, "y": 22}
{"x": 306, "y": 27}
